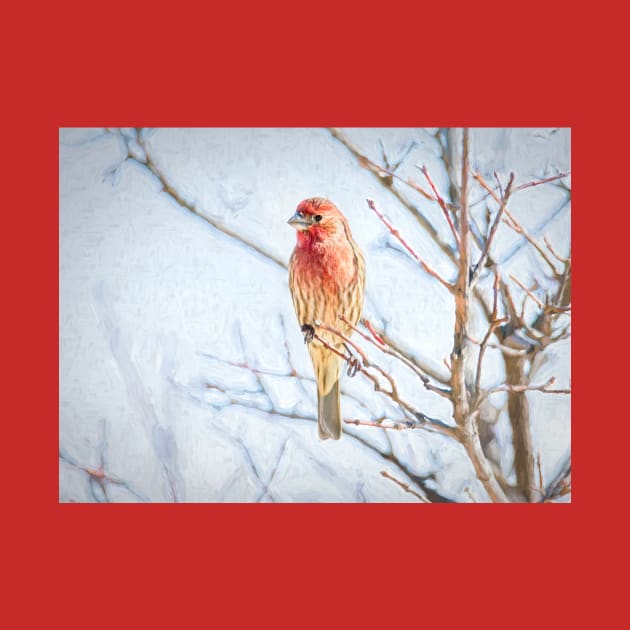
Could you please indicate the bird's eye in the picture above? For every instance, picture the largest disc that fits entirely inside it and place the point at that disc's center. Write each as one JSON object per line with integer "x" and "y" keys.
{"x": 318, "y": 217}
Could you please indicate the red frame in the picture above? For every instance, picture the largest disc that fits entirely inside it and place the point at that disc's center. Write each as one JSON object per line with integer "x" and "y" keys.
{"x": 231, "y": 565}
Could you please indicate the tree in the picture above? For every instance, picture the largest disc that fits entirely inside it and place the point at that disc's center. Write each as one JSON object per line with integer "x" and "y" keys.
{"x": 521, "y": 338}
{"x": 506, "y": 322}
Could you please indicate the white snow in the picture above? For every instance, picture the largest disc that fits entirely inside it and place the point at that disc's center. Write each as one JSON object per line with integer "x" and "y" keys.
{"x": 155, "y": 305}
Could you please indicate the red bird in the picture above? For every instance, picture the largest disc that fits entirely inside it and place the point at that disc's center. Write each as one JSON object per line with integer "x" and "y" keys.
{"x": 326, "y": 278}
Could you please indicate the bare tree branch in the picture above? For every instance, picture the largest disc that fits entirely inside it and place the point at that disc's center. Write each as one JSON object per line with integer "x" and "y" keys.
{"x": 418, "y": 416}
{"x": 442, "y": 204}
{"x": 495, "y": 322}
{"x": 463, "y": 414}
{"x": 538, "y": 229}
{"x": 512, "y": 222}
{"x": 269, "y": 409}
{"x": 149, "y": 164}
{"x": 99, "y": 476}
{"x": 396, "y": 346}
{"x": 383, "y": 347}
{"x": 553, "y": 251}
{"x": 404, "y": 243}
{"x": 528, "y": 291}
{"x": 404, "y": 486}
{"x": 505, "y": 197}
{"x": 377, "y": 172}
{"x": 519, "y": 388}
{"x": 553, "y": 178}
{"x": 465, "y": 391}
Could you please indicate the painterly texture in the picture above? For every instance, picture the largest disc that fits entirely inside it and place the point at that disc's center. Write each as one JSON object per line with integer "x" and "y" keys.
{"x": 326, "y": 278}
{"x": 182, "y": 370}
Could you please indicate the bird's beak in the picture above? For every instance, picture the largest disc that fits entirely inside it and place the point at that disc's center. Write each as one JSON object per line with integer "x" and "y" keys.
{"x": 299, "y": 221}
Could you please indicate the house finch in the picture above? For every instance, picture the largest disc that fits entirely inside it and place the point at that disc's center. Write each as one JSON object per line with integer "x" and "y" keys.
{"x": 326, "y": 278}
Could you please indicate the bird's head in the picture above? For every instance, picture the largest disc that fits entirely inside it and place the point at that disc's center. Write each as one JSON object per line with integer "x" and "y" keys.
{"x": 318, "y": 219}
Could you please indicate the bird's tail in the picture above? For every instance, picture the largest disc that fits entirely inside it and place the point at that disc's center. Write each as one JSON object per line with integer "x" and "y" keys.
{"x": 329, "y": 414}
{"x": 327, "y": 372}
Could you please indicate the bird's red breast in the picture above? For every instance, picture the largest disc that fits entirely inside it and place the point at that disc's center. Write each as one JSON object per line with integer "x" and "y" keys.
{"x": 325, "y": 252}
{"x": 327, "y": 279}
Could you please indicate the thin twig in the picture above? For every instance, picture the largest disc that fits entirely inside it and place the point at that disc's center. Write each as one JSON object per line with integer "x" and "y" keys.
{"x": 148, "y": 163}
{"x": 415, "y": 212}
{"x": 418, "y": 416}
{"x": 465, "y": 417}
{"x": 404, "y": 486}
{"x": 390, "y": 172}
{"x": 499, "y": 346}
{"x": 271, "y": 410}
{"x": 395, "y": 425}
{"x": 515, "y": 224}
{"x": 404, "y": 243}
{"x": 542, "y": 181}
{"x": 383, "y": 347}
{"x": 381, "y": 335}
{"x": 562, "y": 259}
{"x": 441, "y": 202}
{"x": 520, "y": 229}
{"x": 528, "y": 291}
{"x": 545, "y": 387}
{"x": 535, "y": 231}
{"x": 499, "y": 184}
{"x": 505, "y": 197}
{"x": 495, "y": 322}
{"x": 393, "y": 394}
{"x": 470, "y": 494}
{"x": 373, "y": 332}
{"x": 366, "y": 362}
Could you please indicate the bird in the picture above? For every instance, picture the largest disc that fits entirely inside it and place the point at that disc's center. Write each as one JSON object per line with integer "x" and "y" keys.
{"x": 326, "y": 279}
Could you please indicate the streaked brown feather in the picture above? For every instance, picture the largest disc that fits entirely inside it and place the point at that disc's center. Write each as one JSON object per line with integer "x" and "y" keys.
{"x": 326, "y": 278}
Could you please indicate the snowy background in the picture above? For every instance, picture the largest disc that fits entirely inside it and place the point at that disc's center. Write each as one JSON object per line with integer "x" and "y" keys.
{"x": 178, "y": 344}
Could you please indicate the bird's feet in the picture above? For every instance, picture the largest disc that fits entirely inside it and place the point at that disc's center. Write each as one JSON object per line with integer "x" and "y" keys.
{"x": 353, "y": 366}
{"x": 309, "y": 332}
{"x": 354, "y": 363}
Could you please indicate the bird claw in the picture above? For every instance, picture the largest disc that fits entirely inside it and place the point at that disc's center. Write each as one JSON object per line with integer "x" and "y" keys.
{"x": 353, "y": 366}
{"x": 309, "y": 333}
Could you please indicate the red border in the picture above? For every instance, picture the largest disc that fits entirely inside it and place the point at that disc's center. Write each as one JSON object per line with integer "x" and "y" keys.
{"x": 131, "y": 565}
